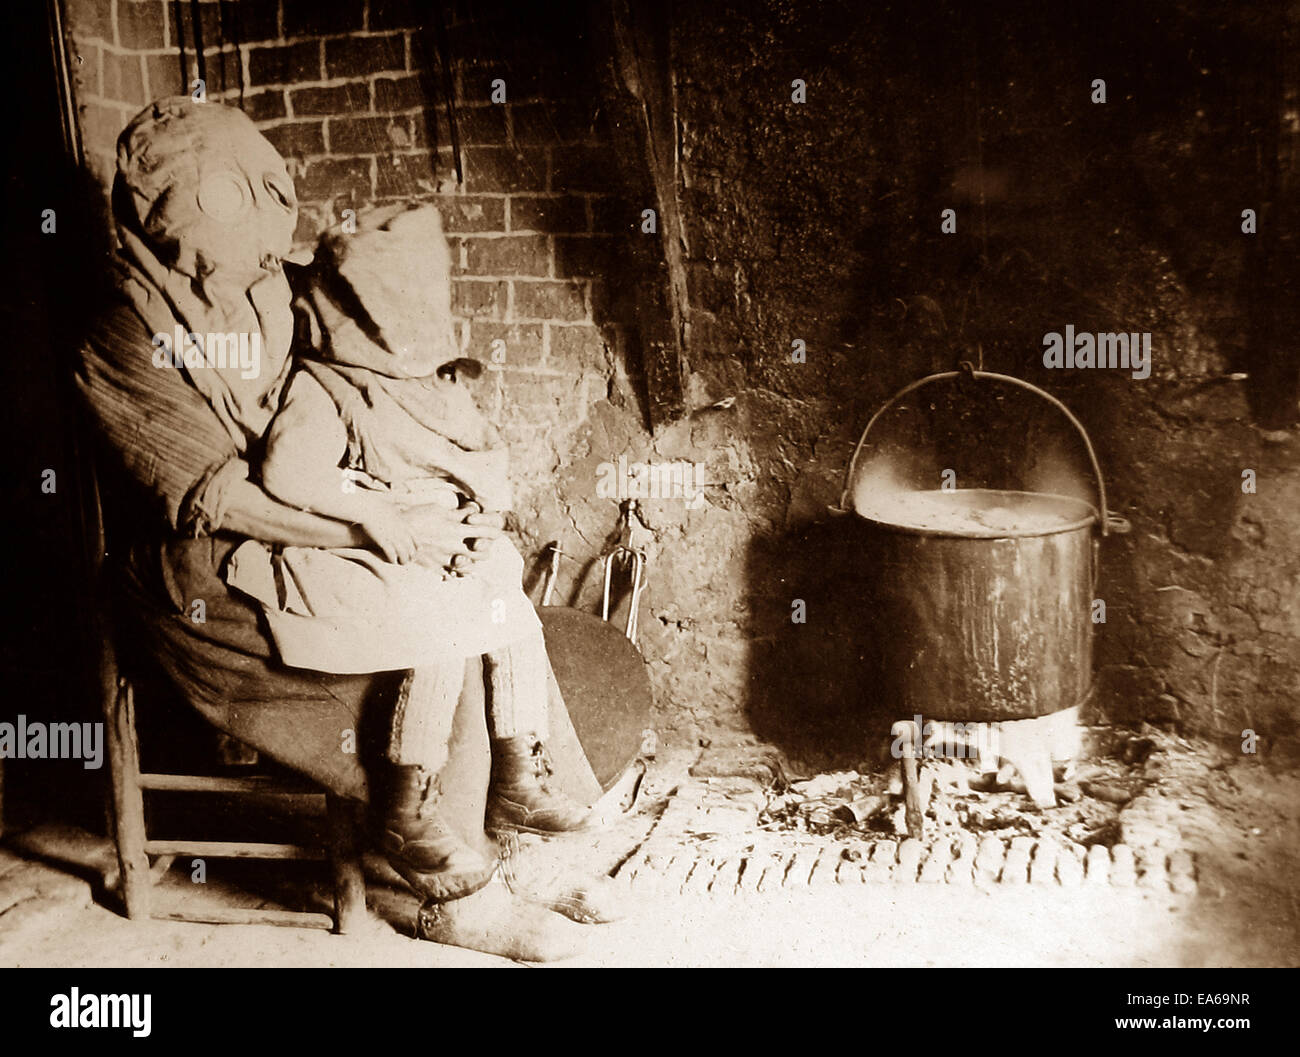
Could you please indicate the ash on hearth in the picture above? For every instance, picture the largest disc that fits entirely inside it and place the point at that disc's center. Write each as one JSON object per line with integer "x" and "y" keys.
{"x": 957, "y": 799}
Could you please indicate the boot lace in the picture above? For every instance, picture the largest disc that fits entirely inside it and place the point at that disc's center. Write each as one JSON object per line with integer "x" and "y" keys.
{"x": 540, "y": 760}
{"x": 430, "y": 793}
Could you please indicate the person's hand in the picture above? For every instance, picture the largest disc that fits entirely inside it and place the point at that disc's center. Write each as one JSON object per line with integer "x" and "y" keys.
{"x": 452, "y": 539}
{"x": 494, "y": 519}
{"x": 493, "y": 522}
{"x": 393, "y": 536}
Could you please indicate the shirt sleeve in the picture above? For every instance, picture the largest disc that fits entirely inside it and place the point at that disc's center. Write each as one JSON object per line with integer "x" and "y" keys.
{"x": 157, "y": 426}
{"x": 307, "y": 440}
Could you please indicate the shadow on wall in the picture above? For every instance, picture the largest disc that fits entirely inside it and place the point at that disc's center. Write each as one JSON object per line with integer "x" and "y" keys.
{"x": 814, "y": 685}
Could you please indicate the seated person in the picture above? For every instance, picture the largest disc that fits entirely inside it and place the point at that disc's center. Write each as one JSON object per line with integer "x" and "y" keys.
{"x": 373, "y": 422}
{"x": 205, "y": 213}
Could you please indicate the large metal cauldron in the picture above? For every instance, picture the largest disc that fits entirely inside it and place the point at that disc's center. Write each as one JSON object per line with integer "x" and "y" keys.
{"x": 981, "y": 597}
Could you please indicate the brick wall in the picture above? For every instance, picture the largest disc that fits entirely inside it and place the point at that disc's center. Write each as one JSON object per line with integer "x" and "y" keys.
{"x": 348, "y": 93}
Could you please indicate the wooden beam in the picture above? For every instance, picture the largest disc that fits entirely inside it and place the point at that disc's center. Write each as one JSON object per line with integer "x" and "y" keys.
{"x": 345, "y": 860}
{"x": 298, "y": 919}
{"x": 633, "y": 43}
{"x": 222, "y": 849}
{"x": 135, "y": 882}
{"x": 263, "y": 785}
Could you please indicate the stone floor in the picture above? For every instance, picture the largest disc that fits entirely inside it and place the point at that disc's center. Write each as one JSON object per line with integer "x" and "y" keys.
{"x": 1211, "y": 880}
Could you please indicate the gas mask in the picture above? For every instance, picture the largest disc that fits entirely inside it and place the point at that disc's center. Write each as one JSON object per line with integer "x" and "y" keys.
{"x": 207, "y": 190}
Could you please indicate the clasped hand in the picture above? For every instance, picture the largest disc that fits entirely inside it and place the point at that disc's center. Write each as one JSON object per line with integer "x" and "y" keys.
{"x": 436, "y": 537}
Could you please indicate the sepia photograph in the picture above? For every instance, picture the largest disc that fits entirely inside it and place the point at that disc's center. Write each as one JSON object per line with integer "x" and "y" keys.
{"x": 652, "y": 483}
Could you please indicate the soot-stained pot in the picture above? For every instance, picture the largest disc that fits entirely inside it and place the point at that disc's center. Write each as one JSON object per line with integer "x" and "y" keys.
{"x": 982, "y": 598}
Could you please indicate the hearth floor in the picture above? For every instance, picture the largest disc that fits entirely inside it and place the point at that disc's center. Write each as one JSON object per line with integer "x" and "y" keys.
{"x": 710, "y": 879}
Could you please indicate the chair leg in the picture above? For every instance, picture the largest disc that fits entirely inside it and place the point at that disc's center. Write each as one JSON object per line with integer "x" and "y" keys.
{"x": 128, "y": 802}
{"x": 345, "y": 858}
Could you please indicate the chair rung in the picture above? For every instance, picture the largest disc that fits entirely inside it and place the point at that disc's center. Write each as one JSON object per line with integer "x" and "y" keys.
{"x": 290, "y": 918}
{"x": 159, "y": 867}
{"x": 218, "y": 849}
{"x": 196, "y": 783}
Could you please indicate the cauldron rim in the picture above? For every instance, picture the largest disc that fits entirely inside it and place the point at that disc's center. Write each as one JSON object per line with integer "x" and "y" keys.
{"x": 1082, "y": 521}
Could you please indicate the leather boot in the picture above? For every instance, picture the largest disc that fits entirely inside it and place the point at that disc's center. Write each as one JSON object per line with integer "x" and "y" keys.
{"x": 521, "y": 795}
{"x": 419, "y": 845}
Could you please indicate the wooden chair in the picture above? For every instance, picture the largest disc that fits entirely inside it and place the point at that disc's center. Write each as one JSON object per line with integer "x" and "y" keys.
{"x": 143, "y": 860}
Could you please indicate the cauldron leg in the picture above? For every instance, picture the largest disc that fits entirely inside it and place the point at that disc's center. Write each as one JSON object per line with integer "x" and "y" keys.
{"x": 914, "y": 809}
{"x": 1026, "y": 744}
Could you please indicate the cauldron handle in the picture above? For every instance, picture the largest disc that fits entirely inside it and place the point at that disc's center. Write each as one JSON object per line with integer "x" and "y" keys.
{"x": 1104, "y": 518}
